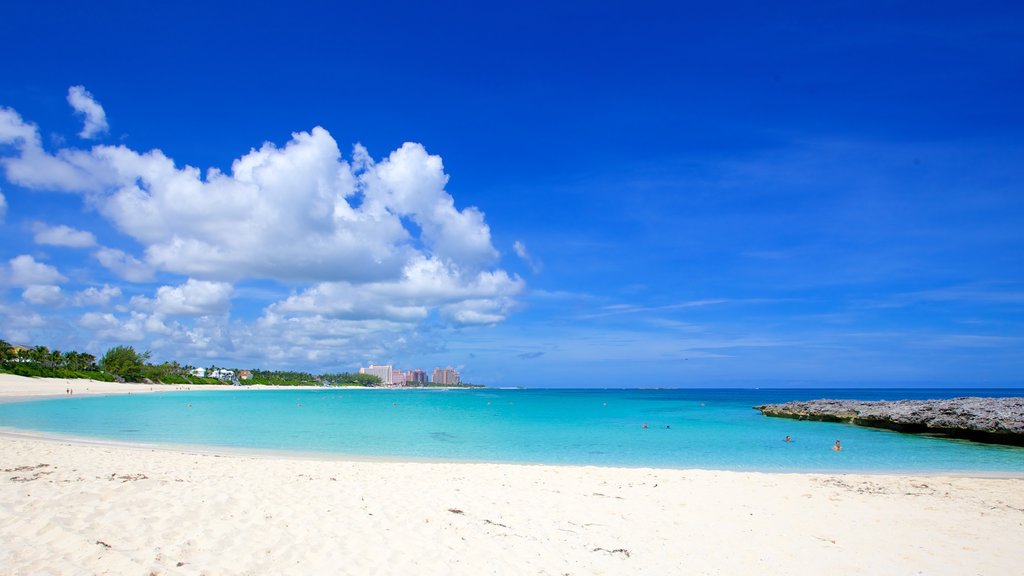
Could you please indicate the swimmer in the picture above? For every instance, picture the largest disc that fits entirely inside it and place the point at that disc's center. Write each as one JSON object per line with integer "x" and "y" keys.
{"x": 788, "y": 439}
{"x": 644, "y": 426}
{"x": 838, "y": 446}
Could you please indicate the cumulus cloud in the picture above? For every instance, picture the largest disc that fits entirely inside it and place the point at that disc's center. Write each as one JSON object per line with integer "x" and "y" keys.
{"x": 62, "y": 236}
{"x": 68, "y": 170}
{"x": 371, "y": 246}
{"x": 132, "y": 328}
{"x": 193, "y": 298}
{"x": 93, "y": 296}
{"x": 92, "y": 113}
{"x": 411, "y": 183}
{"x": 43, "y": 295}
{"x": 298, "y": 212}
{"x": 25, "y": 271}
{"x": 124, "y": 265}
{"x": 15, "y": 130}
{"x": 426, "y": 283}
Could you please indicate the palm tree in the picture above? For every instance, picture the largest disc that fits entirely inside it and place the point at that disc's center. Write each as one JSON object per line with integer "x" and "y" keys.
{"x": 39, "y": 354}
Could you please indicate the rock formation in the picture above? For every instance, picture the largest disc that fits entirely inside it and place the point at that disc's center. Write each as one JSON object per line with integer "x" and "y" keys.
{"x": 993, "y": 420}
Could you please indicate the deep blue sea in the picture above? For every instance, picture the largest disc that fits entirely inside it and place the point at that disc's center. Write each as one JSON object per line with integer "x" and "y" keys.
{"x": 686, "y": 428}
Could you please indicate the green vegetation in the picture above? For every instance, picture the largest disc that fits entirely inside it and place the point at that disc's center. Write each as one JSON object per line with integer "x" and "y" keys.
{"x": 285, "y": 378}
{"x": 173, "y": 373}
{"x": 41, "y": 362}
{"x": 126, "y": 364}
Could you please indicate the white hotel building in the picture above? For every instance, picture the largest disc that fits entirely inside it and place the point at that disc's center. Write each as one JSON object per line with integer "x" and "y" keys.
{"x": 383, "y": 372}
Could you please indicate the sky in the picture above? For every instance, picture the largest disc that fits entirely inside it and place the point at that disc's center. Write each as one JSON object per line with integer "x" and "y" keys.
{"x": 536, "y": 193}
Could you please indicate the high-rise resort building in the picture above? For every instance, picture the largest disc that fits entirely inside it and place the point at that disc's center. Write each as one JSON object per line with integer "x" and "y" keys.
{"x": 445, "y": 376}
{"x": 383, "y": 372}
{"x": 398, "y": 378}
{"x": 417, "y": 376}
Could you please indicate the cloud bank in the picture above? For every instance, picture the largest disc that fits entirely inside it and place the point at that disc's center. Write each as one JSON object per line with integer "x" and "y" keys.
{"x": 373, "y": 250}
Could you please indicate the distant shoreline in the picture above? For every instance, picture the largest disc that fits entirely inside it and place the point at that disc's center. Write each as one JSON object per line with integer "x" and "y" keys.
{"x": 14, "y": 388}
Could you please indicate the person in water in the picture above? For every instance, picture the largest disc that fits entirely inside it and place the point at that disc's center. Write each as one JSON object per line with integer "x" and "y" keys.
{"x": 838, "y": 446}
{"x": 788, "y": 439}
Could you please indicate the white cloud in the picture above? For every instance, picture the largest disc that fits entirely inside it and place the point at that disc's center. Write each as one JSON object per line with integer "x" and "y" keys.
{"x": 99, "y": 321}
{"x": 43, "y": 295}
{"x": 25, "y": 271}
{"x": 193, "y": 298}
{"x": 282, "y": 214}
{"x": 68, "y": 170}
{"x": 93, "y": 296}
{"x": 3, "y": 207}
{"x": 524, "y": 255}
{"x": 294, "y": 213}
{"x": 62, "y": 236}
{"x": 374, "y": 249}
{"x": 124, "y": 265}
{"x": 105, "y": 325}
{"x": 14, "y": 130}
{"x": 86, "y": 106}
{"x": 411, "y": 183}
{"x": 19, "y": 324}
{"x": 426, "y": 283}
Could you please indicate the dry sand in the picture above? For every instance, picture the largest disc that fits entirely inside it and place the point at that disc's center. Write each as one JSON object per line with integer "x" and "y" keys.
{"x": 72, "y": 508}
{"x": 13, "y": 388}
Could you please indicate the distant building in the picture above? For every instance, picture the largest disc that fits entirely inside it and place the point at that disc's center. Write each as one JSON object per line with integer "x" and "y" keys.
{"x": 199, "y": 372}
{"x": 417, "y": 376}
{"x": 20, "y": 353}
{"x": 245, "y": 375}
{"x": 222, "y": 374}
{"x": 398, "y": 378}
{"x": 445, "y": 376}
{"x": 383, "y": 372}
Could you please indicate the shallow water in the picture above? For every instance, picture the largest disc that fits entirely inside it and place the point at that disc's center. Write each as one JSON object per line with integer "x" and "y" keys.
{"x": 692, "y": 428}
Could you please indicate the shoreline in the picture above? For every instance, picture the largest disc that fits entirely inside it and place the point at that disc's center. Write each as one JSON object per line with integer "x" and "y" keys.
{"x": 271, "y": 454}
{"x": 13, "y": 387}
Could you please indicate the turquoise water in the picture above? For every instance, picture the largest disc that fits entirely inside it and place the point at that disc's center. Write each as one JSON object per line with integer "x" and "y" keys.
{"x": 714, "y": 429}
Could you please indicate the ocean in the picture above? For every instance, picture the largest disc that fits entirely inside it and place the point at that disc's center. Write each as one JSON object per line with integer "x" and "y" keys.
{"x": 685, "y": 428}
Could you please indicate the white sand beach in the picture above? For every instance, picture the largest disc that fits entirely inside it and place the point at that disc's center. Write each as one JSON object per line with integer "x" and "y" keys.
{"x": 18, "y": 387}
{"x": 76, "y": 508}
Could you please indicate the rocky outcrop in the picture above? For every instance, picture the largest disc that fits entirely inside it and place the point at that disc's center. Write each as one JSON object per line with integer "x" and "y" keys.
{"x": 993, "y": 420}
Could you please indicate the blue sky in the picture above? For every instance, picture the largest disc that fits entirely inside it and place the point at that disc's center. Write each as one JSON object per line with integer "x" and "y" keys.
{"x": 623, "y": 194}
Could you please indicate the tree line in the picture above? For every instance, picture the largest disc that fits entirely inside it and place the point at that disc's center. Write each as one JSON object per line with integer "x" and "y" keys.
{"x": 124, "y": 363}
